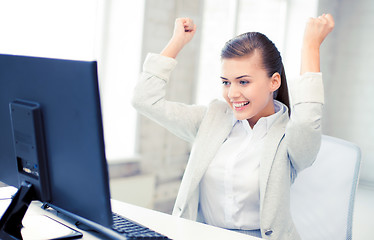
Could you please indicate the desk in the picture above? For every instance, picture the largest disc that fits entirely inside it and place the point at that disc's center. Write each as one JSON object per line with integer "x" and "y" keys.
{"x": 171, "y": 226}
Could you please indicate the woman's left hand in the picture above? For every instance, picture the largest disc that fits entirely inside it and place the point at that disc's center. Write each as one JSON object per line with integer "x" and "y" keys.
{"x": 317, "y": 29}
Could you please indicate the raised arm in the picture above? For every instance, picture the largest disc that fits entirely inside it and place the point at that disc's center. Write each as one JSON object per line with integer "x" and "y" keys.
{"x": 303, "y": 132}
{"x": 315, "y": 32}
{"x": 184, "y": 30}
{"x": 149, "y": 94}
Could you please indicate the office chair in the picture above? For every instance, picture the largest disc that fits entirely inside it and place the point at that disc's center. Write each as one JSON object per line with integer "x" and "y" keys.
{"x": 322, "y": 196}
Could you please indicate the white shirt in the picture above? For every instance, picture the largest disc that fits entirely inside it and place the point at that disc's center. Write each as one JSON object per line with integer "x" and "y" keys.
{"x": 229, "y": 190}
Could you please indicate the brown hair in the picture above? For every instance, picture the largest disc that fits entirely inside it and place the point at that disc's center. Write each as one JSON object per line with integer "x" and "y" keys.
{"x": 245, "y": 44}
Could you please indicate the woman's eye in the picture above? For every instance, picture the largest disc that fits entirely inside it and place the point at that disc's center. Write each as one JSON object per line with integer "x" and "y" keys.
{"x": 243, "y": 82}
{"x": 225, "y": 83}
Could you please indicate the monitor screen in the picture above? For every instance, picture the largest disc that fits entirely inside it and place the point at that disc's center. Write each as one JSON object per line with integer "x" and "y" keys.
{"x": 67, "y": 94}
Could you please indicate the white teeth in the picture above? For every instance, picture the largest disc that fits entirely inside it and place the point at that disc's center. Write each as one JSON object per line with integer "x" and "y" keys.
{"x": 237, "y": 105}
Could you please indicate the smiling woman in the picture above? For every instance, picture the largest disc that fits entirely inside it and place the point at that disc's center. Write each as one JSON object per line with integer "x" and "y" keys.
{"x": 252, "y": 71}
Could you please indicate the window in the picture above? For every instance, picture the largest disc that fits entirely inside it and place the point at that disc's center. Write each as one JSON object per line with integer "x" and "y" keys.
{"x": 107, "y": 31}
{"x": 119, "y": 67}
{"x": 56, "y": 29}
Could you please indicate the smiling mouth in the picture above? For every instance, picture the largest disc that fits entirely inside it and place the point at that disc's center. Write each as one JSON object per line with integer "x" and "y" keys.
{"x": 239, "y": 105}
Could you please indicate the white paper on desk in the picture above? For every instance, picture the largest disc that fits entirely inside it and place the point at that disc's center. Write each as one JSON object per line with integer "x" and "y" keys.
{"x": 7, "y": 192}
{"x": 38, "y": 227}
{"x": 4, "y": 205}
{"x": 5, "y": 196}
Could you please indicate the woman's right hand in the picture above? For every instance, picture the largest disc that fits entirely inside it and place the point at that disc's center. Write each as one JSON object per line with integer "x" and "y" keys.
{"x": 184, "y": 30}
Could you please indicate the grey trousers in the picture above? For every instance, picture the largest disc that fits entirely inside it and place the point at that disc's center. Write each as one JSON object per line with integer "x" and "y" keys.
{"x": 255, "y": 233}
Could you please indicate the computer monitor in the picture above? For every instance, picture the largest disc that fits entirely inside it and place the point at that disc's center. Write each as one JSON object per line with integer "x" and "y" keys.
{"x": 51, "y": 134}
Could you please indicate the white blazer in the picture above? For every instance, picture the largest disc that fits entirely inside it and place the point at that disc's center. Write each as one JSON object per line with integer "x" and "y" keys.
{"x": 291, "y": 145}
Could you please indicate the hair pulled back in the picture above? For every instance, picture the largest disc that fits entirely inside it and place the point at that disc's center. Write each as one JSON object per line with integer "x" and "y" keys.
{"x": 246, "y": 44}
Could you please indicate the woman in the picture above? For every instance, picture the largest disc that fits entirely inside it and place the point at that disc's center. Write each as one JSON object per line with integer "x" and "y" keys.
{"x": 246, "y": 151}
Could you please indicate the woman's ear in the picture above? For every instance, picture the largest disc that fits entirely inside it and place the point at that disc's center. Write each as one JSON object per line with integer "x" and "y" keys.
{"x": 275, "y": 82}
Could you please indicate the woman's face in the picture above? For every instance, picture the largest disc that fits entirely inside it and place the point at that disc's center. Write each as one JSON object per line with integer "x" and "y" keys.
{"x": 247, "y": 88}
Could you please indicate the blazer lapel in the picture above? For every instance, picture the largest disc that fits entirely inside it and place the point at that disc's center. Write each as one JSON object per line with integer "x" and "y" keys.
{"x": 213, "y": 132}
{"x": 269, "y": 151}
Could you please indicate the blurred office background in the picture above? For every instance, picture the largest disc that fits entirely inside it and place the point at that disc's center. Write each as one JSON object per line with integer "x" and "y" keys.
{"x": 146, "y": 162}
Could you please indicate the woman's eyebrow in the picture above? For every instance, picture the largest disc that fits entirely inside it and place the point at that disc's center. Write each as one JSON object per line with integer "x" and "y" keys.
{"x": 243, "y": 76}
{"x": 236, "y": 77}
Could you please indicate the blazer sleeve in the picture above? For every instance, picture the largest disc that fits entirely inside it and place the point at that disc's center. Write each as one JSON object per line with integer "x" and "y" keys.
{"x": 149, "y": 99}
{"x": 303, "y": 133}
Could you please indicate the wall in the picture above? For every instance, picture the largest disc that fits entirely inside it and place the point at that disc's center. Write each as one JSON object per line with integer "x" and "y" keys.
{"x": 347, "y": 63}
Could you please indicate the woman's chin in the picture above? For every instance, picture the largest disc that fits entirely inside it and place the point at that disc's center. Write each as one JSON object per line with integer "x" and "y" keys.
{"x": 242, "y": 116}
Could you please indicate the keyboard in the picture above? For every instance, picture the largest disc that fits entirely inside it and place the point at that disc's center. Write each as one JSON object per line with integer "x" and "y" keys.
{"x": 133, "y": 230}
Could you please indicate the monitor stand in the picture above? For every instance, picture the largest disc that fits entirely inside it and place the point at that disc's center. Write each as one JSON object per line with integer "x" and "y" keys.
{"x": 11, "y": 221}
{"x": 11, "y": 227}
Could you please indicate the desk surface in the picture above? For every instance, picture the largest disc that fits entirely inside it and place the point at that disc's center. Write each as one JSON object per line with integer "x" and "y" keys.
{"x": 171, "y": 226}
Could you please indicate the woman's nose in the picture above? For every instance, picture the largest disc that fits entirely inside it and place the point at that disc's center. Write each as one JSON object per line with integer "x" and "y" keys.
{"x": 233, "y": 92}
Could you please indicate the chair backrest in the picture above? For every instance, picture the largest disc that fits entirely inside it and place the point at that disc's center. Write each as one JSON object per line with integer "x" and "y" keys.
{"x": 322, "y": 196}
